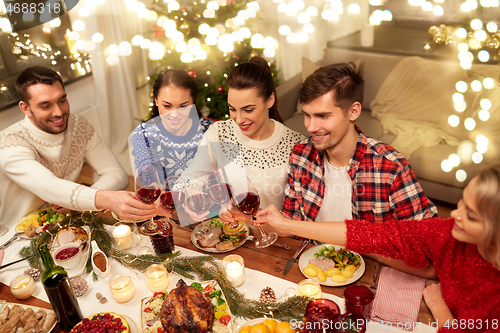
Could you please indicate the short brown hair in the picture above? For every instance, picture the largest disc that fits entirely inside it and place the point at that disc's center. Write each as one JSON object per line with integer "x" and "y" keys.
{"x": 341, "y": 78}
{"x": 35, "y": 75}
{"x": 256, "y": 74}
{"x": 487, "y": 197}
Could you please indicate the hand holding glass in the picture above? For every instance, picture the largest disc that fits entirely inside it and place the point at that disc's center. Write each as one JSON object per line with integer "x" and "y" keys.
{"x": 247, "y": 200}
{"x": 148, "y": 189}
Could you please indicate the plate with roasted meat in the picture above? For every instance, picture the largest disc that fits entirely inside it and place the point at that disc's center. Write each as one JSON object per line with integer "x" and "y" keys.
{"x": 197, "y": 308}
{"x": 217, "y": 237}
{"x": 332, "y": 265}
{"x": 26, "y": 318}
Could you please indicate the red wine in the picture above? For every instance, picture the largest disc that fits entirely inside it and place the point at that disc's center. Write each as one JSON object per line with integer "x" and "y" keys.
{"x": 148, "y": 194}
{"x": 169, "y": 199}
{"x": 56, "y": 284}
{"x": 220, "y": 193}
{"x": 248, "y": 203}
{"x": 198, "y": 203}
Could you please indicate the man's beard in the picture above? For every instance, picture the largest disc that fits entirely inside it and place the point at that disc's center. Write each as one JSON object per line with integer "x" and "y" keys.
{"x": 44, "y": 126}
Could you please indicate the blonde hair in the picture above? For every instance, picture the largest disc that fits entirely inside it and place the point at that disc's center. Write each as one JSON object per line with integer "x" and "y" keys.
{"x": 487, "y": 193}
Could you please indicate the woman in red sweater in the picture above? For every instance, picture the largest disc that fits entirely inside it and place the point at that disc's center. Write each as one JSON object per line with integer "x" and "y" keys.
{"x": 465, "y": 250}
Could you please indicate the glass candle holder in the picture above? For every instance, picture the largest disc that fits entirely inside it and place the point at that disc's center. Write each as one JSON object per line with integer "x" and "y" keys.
{"x": 358, "y": 299}
{"x": 125, "y": 235}
{"x": 309, "y": 288}
{"x": 22, "y": 286}
{"x": 234, "y": 269}
{"x": 122, "y": 288}
{"x": 157, "y": 278}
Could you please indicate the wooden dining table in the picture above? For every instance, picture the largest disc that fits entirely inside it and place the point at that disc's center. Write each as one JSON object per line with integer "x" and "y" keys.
{"x": 270, "y": 260}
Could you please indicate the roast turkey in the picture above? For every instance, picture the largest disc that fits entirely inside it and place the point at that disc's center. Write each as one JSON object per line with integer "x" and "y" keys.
{"x": 185, "y": 309}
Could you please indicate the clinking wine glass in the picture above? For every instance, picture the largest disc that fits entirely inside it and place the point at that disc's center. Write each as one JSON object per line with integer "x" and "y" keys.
{"x": 219, "y": 189}
{"x": 148, "y": 189}
{"x": 247, "y": 200}
{"x": 197, "y": 198}
{"x": 174, "y": 195}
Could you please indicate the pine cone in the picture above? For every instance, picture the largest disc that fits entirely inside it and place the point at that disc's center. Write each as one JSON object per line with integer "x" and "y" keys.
{"x": 267, "y": 295}
{"x": 35, "y": 274}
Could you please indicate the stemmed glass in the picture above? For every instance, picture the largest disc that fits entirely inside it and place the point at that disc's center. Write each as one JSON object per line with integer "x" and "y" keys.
{"x": 148, "y": 189}
{"x": 219, "y": 189}
{"x": 174, "y": 194}
{"x": 247, "y": 200}
{"x": 197, "y": 199}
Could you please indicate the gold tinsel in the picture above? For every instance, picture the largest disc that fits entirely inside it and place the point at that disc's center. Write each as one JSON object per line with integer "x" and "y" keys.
{"x": 203, "y": 268}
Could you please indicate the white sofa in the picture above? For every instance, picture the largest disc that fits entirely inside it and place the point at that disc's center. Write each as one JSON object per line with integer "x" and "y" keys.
{"x": 375, "y": 68}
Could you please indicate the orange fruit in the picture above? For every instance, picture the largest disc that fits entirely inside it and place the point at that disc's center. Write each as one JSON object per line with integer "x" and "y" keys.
{"x": 245, "y": 329}
{"x": 259, "y": 328}
{"x": 284, "y": 327}
{"x": 271, "y": 323}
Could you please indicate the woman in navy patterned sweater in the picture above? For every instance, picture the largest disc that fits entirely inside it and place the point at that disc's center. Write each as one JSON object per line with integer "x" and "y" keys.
{"x": 170, "y": 138}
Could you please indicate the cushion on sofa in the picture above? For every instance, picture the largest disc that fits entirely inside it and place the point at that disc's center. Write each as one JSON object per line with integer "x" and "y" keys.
{"x": 415, "y": 101}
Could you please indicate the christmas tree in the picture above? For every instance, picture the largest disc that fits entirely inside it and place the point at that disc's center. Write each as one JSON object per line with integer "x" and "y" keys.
{"x": 207, "y": 39}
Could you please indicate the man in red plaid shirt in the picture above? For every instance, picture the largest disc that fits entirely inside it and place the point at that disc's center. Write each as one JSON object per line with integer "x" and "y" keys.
{"x": 339, "y": 173}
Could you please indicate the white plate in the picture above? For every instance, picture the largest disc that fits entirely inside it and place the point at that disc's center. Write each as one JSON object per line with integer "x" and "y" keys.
{"x": 133, "y": 326}
{"x": 116, "y": 217}
{"x": 213, "y": 249}
{"x": 309, "y": 254}
{"x": 251, "y": 323}
{"x": 35, "y": 309}
{"x": 203, "y": 284}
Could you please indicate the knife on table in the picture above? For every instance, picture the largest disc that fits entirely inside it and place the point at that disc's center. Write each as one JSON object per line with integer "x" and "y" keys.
{"x": 290, "y": 261}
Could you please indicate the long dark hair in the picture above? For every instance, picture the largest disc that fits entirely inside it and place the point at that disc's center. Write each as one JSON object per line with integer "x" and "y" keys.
{"x": 256, "y": 74}
{"x": 178, "y": 78}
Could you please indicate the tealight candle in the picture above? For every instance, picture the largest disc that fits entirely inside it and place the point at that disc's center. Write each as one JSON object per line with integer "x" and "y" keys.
{"x": 124, "y": 235}
{"x": 157, "y": 278}
{"x": 122, "y": 288}
{"x": 234, "y": 269}
{"x": 23, "y": 286}
{"x": 309, "y": 288}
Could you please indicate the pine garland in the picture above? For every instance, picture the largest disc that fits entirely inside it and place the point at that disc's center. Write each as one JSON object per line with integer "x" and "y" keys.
{"x": 202, "y": 267}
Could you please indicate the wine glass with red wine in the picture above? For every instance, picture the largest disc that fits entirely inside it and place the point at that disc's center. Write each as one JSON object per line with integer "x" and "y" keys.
{"x": 197, "y": 198}
{"x": 247, "y": 200}
{"x": 174, "y": 195}
{"x": 148, "y": 189}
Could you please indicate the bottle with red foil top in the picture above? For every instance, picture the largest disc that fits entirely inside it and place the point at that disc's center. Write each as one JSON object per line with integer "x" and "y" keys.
{"x": 163, "y": 240}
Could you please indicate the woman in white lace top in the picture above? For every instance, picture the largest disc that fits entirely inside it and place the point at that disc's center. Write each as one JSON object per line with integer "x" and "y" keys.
{"x": 253, "y": 142}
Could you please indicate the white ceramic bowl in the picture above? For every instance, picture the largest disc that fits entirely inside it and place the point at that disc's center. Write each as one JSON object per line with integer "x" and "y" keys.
{"x": 71, "y": 262}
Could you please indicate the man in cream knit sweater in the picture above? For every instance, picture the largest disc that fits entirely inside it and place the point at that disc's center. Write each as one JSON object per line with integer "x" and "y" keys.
{"x": 41, "y": 157}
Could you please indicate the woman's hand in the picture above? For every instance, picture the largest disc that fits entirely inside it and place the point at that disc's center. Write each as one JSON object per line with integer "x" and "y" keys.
{"x": 435, "y": 302}
{"x": 233, "y": 214}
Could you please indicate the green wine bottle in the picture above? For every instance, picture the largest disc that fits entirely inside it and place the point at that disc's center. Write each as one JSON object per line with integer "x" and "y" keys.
{"x": 62, "y": 298}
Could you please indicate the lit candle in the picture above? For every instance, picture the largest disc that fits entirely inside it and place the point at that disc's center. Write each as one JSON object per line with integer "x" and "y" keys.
{"x": 22, "y": 286}
{"x": 157, "y": 278}
{"x": 309, "y": 288}
{"x": 234, "y": 268}
{"x": 123, "y": 237}
{"x": 122, "y": 288}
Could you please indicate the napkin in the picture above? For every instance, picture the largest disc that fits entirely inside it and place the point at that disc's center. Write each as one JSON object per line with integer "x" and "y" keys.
{"x": 398, "y": 298}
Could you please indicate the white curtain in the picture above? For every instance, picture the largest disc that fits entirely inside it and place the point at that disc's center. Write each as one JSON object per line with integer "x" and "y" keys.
{"x": 119, "y": 103}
